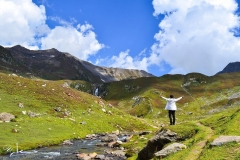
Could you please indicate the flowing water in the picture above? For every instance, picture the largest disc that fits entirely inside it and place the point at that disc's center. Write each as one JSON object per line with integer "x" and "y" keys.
{"x": 59, "y": 152}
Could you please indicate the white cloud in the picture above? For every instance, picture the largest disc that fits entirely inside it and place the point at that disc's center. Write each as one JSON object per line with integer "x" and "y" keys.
{"x": 143, "y": 52}
{"x": 24, "y": 23}
{"x": 21, "y": 21}
{"x": 196, "y": 35}
{"x": 124, "y": 60}
{"x": 62, "y": 21}
{"x": 81, "y": 43}
{"x": 84, "y": 28}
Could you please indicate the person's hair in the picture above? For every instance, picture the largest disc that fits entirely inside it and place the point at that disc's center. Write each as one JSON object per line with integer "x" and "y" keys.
{"x": 171, "y": 96}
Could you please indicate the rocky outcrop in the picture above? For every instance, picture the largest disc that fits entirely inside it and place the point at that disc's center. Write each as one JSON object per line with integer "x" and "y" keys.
{"x": 6, "y": 117}
{"x": 172, "y": 148}
{"x": 225, "y": 139}
{"x": 115, "y": 74}
{"x": 8, "y": 63}
{"x": 156, "y": 143}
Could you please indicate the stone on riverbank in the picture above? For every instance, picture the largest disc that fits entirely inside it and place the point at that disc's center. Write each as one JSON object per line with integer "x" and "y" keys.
{"x": 83, "y": 156}
{"x": 109, "y": 138}
{"x": 114, "y": 144}
{"x": 225, "y": 139}
{"x": 172, "y": 148}
{"x": 67, "y": 142}
{"x": 92, "y": 155}
{"x": 156, "y": 143}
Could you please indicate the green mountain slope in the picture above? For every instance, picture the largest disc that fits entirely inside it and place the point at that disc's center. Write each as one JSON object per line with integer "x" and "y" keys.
{"x": 209, "y": 108}
{"x": 48, "y": 112}
{"x": 141, "y": 97}
{"x": 66, "y": 109}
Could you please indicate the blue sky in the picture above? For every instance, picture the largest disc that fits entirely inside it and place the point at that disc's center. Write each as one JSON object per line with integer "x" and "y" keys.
{"x": 159, "y": 36}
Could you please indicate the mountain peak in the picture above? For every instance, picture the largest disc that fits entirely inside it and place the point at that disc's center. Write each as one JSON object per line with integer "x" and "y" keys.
{"x": 52, "y": 50}
{"x": 19, "y": 47}
{"x": 231, "y": 67}
{"x": 55, "y": 65}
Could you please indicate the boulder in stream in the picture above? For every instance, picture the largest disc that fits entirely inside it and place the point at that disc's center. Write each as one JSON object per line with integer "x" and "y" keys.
{"x": 157, "y": 143}
{"x": 109, "y": 138}
{"x": 67, "y": 142}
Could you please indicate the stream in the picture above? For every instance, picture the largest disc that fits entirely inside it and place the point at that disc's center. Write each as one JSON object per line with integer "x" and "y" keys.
{"x": 59, "y": 152}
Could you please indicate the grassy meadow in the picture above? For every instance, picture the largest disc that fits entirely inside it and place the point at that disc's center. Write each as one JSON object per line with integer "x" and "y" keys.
{"x": 210, "y": 108}
{"x": 60, "y": 113}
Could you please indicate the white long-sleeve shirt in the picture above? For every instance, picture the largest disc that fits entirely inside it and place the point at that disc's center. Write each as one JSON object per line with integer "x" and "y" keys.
{"x": 171, "y": 103}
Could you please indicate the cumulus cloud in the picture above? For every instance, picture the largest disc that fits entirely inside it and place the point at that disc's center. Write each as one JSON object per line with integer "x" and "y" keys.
{"x": 124, "y": 60}
{"x": 196, "y": 35}
{"x": 24, "y": 23}
{"x": 80, "y": 42}
{"x": 142, "y": 61}
{"x": 21, "y": 22}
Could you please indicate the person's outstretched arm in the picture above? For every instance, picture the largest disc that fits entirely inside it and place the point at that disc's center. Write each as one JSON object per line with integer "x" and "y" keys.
{"x": 177, "y": 99}
{"x": 164, "y": 98}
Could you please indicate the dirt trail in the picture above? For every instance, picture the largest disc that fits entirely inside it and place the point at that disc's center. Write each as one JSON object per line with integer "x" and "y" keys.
{"x": 198, "y": 147}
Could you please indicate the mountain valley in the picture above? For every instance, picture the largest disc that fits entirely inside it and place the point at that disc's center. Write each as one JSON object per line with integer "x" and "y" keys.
{"x": 49, "y": 108}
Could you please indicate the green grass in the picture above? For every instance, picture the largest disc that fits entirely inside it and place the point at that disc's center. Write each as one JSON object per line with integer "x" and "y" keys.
{"x": 206, "y": 101}
{"x": 225, "y": 123}
{"x": 186, "y": 131}
{"x": 230, "y": 151}
{"x": 52, "y": 127}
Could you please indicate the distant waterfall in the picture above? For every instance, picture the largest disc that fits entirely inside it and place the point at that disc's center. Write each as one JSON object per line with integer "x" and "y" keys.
{"x": 96, "y": 92}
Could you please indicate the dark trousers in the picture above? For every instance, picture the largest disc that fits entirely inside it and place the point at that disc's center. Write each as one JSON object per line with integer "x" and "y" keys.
{"x": 171, "y": 115}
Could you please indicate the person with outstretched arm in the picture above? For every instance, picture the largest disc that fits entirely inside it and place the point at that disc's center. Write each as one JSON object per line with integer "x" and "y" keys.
{"x": 171, "y": 107}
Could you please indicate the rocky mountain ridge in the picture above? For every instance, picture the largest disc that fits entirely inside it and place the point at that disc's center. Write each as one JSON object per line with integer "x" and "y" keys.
{"x": 231, "y": 67}
{"x": 52, "y": 64}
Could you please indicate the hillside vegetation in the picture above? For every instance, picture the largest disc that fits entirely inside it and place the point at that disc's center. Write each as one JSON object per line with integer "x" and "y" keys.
{"x": 48, "y": 112}
{"x": 210, "y": 108}
{"x": 202, "y": 94}
{"x": 67, "y": 109}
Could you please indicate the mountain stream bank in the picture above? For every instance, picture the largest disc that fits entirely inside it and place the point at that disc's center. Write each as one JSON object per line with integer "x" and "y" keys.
{"x": 103, "y": 146}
